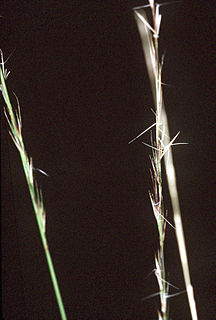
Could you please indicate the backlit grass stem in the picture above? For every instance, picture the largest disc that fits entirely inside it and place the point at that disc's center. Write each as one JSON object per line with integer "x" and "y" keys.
{"x": 161, "y": 148}
{"x": 15, "y": 125}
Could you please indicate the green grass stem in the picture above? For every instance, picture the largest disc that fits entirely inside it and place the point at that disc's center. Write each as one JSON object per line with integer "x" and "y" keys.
{"x": 15, "y": 124}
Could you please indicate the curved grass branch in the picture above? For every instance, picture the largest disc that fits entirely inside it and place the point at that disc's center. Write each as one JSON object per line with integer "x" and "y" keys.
{"x": 15, "y": 124}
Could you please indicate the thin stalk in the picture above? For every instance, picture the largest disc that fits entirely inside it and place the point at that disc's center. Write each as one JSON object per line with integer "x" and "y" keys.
{"x": 149, "y": 36}
{"x": 157, "y": 198}
{"x": 15, "y": 124}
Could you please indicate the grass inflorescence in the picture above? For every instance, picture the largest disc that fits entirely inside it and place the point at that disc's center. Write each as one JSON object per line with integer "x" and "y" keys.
{"x": 161, "y": 149}
{"x": 15, "y": 124}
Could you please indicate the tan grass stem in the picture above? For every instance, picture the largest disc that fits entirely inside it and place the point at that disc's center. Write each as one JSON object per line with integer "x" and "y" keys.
{"x": 149, "y": 37}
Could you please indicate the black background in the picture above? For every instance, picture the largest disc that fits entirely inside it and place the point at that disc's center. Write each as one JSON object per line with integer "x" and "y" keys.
{"x": 79, "y": 72}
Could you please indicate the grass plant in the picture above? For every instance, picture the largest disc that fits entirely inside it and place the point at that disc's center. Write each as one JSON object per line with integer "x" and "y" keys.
{"x": 161, "y": 149}
{"x": 15, "y": 124}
